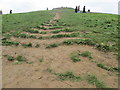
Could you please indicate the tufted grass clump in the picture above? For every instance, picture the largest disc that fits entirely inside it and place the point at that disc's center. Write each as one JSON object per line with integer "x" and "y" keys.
{"x": 65, "y": 76}
{"x": 37, "y": 45}
{"x": 92, "y": 79}
{"x": 40, "y": 27}
{"x": 32, "y": 31}
{"x": 112, "y": 69}
{"x": 43, "y": 32}
{"x": 22, "y": 35}
{"x": 65, "y": 35}
{"x": 20, "y": 58}
{"x": 53, "y": 45}
{"x": 79, "y": 41}
{"x": 56, "y": 27}
{"x": 103, "y": 47}
{"x": 103, "y": 66}
{"x": 10, "y": 58}
{"x": 86, "y": 54}
{"x": 27, "y": 45}
{"x": 75, "y": 57}
{"x": 68, "y": 30}
{"x": 41, "y": 59}
{"x": 63, "y": 30}
{"x": 9, "y": 43}
{"x": 68, "y": 76}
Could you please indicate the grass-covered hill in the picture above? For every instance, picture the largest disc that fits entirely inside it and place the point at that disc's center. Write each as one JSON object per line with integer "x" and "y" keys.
{"x": 23, "y": 21}
{"x": 60, "y": 49}
{"x": 102, "y": 28}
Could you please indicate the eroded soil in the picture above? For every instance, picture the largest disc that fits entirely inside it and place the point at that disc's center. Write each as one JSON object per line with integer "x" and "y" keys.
{"x": 36, "y": 75}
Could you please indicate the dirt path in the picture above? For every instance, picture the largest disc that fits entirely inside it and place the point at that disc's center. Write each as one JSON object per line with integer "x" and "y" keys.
{"x": 36, "y": 75}
{"x": 57, "y": 16}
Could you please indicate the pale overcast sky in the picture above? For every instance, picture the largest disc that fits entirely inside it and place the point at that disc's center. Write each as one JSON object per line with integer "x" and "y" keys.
{"x": 18, "y": 6}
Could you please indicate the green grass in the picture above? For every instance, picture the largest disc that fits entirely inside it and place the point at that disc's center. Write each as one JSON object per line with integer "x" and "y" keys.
{"x": 40, "y": 27}
{"x": 53, "y": 45}
{"x": 65, "y": 76}
{"x": 9, "y": 43}
{"x": 45, "y": 24}
{"x": 103, "y": 47}
{"x": 0, "y": 25}
{"x": 102, "y": 28}
{"x": 75, "y": 57}
{"x": 30, "y": 62}
{"x": 25, "y": 21}
{"x": 22, "y": 35}
{"x": 79, "y": 41}
{"x": 103, "y": 66}
{"x": 10, "y": 58}
{"x": 64, "y": 30}
{"x": 56, "y": 27}
{"x": 27, "y": 45}
{"x": 92, "y": 79}
{"x": 69, "y": 30}
{"x": 68, "y": 76}
{"x": 32, "y": 31}
{"x": 20, "y": 58}
{"x": 43, "y": 32}
{"x": 91, "y": 42}
{"x": 41, "y": 59}
{"x": 65, "y": 35}
{"x": 86, "y": 54}
{"x": 40, "y": 37}
{"x": 18, "y": 62}
{"x": 37, "y": 45}
{"x": 112, "y": 69}
{"x": 49, "y": 70}
{"x": 116, "y": 69}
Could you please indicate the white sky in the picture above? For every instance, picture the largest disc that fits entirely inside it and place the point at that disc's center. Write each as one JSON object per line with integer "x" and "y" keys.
{"x": 18, "y": 6}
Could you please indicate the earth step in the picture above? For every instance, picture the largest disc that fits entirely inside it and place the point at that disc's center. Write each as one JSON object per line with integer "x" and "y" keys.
{"x": 47, "y": 34}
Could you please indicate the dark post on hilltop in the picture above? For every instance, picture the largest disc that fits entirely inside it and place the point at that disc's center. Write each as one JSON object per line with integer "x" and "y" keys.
{"x": 88, "y": 10}
{"x": 84, "y": 10}
{"x": 0, "y": 12}
{"x": 10, "y": 11}
{"x": 76, "y": 9}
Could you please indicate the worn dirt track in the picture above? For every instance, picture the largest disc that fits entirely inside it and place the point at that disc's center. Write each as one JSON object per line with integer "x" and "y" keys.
{"x": 35, "y": 75}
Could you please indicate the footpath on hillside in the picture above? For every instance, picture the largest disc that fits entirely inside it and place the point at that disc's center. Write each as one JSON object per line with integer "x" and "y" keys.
{"x": 52, "y": 56}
